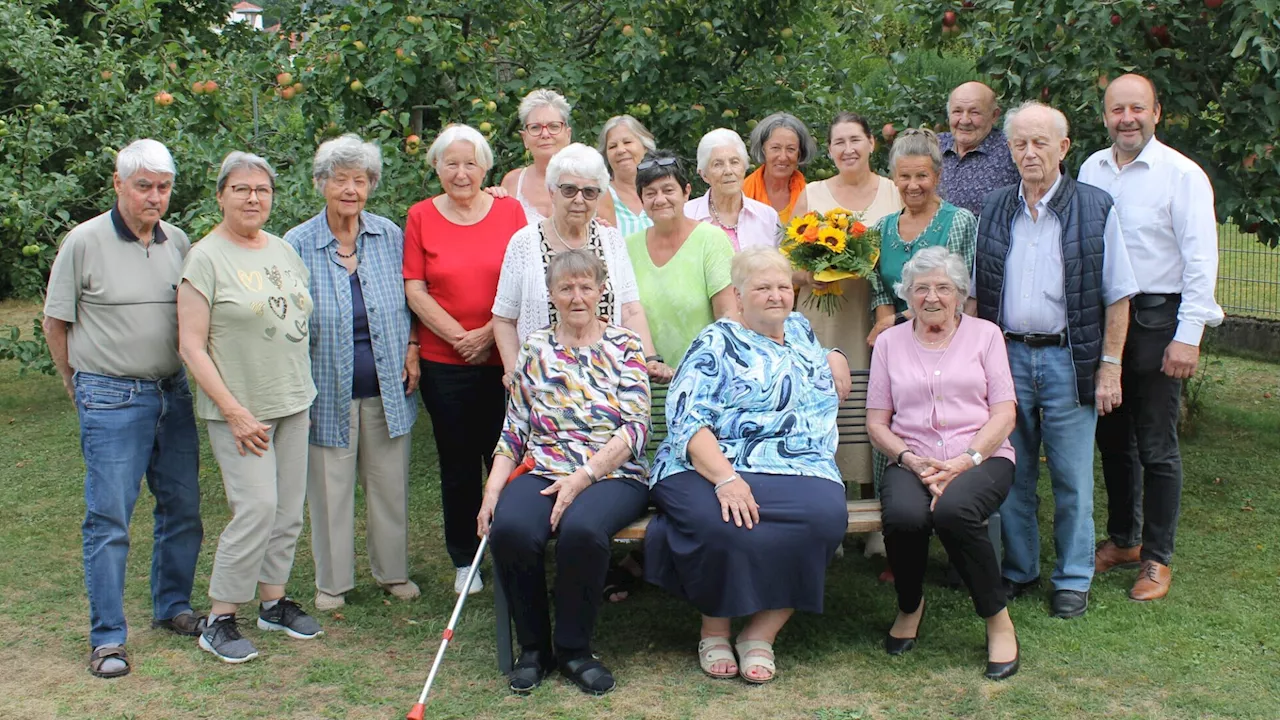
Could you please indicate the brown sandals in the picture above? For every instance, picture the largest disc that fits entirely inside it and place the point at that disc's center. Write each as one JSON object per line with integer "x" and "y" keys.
{"x": 100, "y": 655}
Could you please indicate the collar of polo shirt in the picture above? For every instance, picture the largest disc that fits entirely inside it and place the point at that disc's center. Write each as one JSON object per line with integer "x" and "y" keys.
{"x": 122, "y": 228}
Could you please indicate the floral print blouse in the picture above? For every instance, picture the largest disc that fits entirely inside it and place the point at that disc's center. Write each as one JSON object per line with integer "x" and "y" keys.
{"x": 569, "y": 402}
{"x": 772, "y": 407}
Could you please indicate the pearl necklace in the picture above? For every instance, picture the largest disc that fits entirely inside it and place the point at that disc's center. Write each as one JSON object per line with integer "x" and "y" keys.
{"x": 715, "y": 216}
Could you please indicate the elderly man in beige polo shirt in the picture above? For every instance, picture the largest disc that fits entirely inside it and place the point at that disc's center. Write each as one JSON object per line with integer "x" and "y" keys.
{"x": 112, "y": 327}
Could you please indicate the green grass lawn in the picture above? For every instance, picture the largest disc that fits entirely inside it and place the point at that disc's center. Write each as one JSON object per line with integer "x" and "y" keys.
{"x": 1207, "y": 651}
{"x": 1248, "y": 275}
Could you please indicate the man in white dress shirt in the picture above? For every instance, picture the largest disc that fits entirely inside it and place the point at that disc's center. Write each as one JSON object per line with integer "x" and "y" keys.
{"x": 1165, "y": 204}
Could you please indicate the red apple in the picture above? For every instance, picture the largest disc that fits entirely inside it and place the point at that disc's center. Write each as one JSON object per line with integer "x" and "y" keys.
{"x": 210, "y": 87}
{"x": 1161, "y": 33}
{"x": 163, "y": 98}
{"x": 1252, "y": 228}
{"x": 284, "y": 78}
{"x": 1213, "y": 4}
{"x": 1116, "y": 20}
{"x": 967, "y": 4}
{"x": 197, "y": 87}
{"x": 1044, "y": 94}
{"x": 106, "y": 74}
{"x": 1249, "y": 161}
{"x": 888, "y": 132}
{"x": 287, "y": 93}
{"x": 949, "y": 18}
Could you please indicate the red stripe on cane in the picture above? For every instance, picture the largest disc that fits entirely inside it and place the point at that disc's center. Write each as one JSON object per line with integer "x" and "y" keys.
{"x": 447, "y": 634}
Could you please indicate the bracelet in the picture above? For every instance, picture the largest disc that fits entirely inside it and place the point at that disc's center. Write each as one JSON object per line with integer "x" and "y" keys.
{"x": 653, "y": 358}
{"x": 901, "y": 455}
{"x": 724, "y": 482}
{"x": 413, "y": 342}
{"x": 1111, "y": 359}
{"x": 591, "y": 474}
{"x": 899, "y": 318}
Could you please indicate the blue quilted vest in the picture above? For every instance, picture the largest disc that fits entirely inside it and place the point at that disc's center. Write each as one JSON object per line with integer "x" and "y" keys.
{"x": 1082, "y": 210}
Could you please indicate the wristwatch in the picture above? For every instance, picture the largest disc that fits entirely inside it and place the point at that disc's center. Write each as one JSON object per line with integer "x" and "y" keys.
{"x": 977, "y": 456}
{"x": 653, "y": 358}
{"x": 1111, "y": 359}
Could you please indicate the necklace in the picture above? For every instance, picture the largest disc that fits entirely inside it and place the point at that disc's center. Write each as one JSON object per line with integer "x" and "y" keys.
{"x": 715, "y": 216}
{"x": 936, "y": 343}
{"x": 555, "y": 227}
{"x": 346, "y": 257}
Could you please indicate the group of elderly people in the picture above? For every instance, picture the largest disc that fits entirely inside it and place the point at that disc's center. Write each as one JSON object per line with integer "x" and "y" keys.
{"x": 539, "y": 317}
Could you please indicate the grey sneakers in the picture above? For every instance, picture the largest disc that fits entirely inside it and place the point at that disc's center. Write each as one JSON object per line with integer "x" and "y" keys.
{"x": 222, "y": 636}
{"x": 288, "y": 616}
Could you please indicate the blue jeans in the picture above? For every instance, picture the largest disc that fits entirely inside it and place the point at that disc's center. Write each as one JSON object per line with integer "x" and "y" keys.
{"x": 1045, "y": 381}
{"x": 130, "y": 428}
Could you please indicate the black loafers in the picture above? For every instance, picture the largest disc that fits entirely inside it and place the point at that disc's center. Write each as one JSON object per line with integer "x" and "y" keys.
{"x": 589, "y": 674}
{"x": 1068, "y": 603}
{"x": 530, "y": 670}
{"x": 1014, "y": 590}
{"x": 1005, "y": 670}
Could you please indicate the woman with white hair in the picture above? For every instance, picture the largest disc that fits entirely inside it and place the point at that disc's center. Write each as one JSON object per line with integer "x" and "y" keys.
{"x": 545, "y": 129}
{"x": 576, "y": 180}
{"x": 941, "y": 403}
{"x": 364, "y": 362}
{"x": 623, "y": 143}
{"x": 244, "y": 333}
{"x": 722, "y": 165}
{"x": 780, "y": 145}
{"x": 454, "y": 246}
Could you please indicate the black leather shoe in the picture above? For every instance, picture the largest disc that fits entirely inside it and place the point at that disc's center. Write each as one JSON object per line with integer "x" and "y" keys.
{"x": 898, "y": 646}
{"x": 589, "y": 674}
{"x": 1005, "y": 670}
{"x": 530, "y": 670}
{"x": 1014, "y": 590}
{"x": 1068, "y": 603}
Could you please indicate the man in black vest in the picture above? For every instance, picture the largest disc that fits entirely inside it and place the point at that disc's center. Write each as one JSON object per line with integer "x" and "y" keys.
{"x": 1052, "y": 271}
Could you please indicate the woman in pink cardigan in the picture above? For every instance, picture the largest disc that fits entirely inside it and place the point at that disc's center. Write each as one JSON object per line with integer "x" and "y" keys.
{"x": 941, "y": 403}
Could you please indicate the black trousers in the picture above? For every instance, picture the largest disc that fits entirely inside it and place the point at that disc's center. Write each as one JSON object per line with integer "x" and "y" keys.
{"x": 518, "y": 539}
{"x": 958, "y": 518}
{"x": 467, "y": 405}
{"x": 1141, "y": 461}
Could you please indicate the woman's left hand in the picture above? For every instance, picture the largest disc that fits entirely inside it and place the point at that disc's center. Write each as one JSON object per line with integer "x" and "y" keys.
{"x": 473, "y": 345}
{"x": 936, "y": 491}
{"x": 945, "y": 471}
{"x": 839, "y": 365}
{"x": 566, "y": 489}
{"x": 412, "y": 372}
{"x": 497, "y": 192}
{"x": 659, "y": 372}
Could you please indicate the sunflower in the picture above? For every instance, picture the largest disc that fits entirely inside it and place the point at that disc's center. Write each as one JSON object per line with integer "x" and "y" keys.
{"x": 833, "y": 238}
{"x": 839, "y": 218}
{"x": 803, "y": 228}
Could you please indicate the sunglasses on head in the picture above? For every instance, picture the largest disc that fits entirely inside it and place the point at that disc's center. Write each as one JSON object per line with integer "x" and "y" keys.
{"x": 588, "y": 193}
{"x": 657, "y": 162}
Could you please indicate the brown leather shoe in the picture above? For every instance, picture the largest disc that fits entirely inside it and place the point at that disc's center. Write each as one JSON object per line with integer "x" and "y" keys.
{"x": 1153, "y": 583}
{"x": 1109, "y": 555}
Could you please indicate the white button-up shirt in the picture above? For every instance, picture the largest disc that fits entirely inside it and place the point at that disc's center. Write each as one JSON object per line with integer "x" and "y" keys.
{"x": 1034, "y": 275}
{"x": 757, "y": 223}
{"x": 1165, "y": 203}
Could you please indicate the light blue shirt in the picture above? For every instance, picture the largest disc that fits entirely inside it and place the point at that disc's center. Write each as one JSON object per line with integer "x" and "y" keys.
{"x": 380, "y": 249}
{"x": 629, "y": 223}
{"x": 1034, "y": 275}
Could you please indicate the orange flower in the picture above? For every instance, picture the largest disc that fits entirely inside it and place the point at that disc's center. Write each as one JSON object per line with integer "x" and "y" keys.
{"x": 857, "y": 228}
{"x": 811, "y": 233}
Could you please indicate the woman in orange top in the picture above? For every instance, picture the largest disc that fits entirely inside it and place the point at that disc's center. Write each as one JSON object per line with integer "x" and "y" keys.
{"x": 780, "y": 145}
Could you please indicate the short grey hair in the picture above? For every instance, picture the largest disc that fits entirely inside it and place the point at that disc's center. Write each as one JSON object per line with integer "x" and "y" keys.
{"x": 348, "y": 152}
{"x": 237, "y": 160}
{"x": 574, "y": 263}
{"x": 630, "y": 123}
{"x": 577, "y": 159}
{"x": 461, "y": 133}
{"x": 1059, "y": 120}
{"x": 782, "y": 121}
{"x": 929, "y": 260}
{"x": 544, "y": 97}
{"x": 753, "y": 261}
{"x": 916, "y": 142}
{"x": 716, "y": 139}
{"x": 144, "y": 154}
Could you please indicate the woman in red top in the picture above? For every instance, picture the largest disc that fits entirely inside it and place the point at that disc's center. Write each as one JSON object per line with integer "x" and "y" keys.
{"x": 454, "y": 245}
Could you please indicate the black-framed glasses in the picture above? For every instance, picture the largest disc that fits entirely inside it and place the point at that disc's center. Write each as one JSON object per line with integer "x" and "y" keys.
{"x": 657, "y": 162}
{"x": 552, "y": 128}
{"x": 588, "y": 193}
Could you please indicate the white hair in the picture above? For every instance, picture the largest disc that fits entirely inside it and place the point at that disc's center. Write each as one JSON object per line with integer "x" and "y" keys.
{"x": 635, "y": 126}
{"x": 461, "y": 133}
{"x": 346, "y": 152}
{"x": 718, "y": 138}
{"x": 929, "y": 260}
{"x": 577, "y": 159}
{"x": 753, "y": 261}
{"x": 144, "y": 154}
{"x": 916, "y": 142}
{"x": 237, "y": 160}
{"x": 1059, "y": 120}
{"x": 544, "y": 97}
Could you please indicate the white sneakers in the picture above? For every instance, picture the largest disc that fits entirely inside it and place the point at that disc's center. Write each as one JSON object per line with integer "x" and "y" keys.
{"x": 875, "y": 544}
{"x": 460, "y": 582}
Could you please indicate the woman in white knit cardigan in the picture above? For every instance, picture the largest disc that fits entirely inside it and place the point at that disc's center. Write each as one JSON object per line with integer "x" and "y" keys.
{"x": 576, "y": 178}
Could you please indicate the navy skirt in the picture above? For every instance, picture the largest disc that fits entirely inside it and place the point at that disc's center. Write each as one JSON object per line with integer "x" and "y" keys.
{"x": 730, "y": 571}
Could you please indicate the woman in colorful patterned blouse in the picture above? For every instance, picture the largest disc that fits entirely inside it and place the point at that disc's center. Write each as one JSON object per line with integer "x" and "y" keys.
{"x": 576, "y": 178}
{"x": 722, "y": 165}
{"x": 623, "y": 143}
{"x": 925, "y": 220}
{"x": 752, "y": 505}
{"x": 576, "y": 427}
{"x": 941, "y": 402}
{"x": 365, "y": 366}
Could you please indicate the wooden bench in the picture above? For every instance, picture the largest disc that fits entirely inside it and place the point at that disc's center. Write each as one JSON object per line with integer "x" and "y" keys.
{"x": 864, "y": 511}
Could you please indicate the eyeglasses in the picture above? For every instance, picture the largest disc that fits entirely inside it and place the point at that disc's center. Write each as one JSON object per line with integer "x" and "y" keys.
{"x": 588, "y": 193}
{"x": 943, "y": 291}
{"x": 242, "y": 192}
{"x": 658, "y": 162}
{"x": 552, "y": 128}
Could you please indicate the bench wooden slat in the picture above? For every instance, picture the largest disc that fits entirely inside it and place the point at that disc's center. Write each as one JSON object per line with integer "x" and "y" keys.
{"x": 864, "y": 516}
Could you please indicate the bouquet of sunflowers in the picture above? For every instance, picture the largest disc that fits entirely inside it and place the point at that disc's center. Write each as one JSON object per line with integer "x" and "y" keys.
{"x": 833, "y": 246}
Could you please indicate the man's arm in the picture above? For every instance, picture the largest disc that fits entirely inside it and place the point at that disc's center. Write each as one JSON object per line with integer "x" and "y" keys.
{"x": 1196, "y": 228}
{"x": 55, "y": 335}
{"x": 1118, "y": 285}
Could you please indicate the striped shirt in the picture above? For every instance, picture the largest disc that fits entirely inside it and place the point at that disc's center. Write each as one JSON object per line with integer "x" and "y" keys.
{"x": 629, "y": 223}
{"x": 380, "y": 249}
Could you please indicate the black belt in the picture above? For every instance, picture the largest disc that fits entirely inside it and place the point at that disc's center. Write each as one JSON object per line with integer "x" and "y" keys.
{"x": 1037, "y": 339}
{"x": 1146, "y": 301}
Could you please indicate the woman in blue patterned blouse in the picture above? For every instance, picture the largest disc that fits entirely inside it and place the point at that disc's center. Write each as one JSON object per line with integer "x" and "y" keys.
{"x": 752, "y": 505}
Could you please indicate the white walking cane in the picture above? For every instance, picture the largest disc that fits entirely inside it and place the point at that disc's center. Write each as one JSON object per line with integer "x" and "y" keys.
{"x": 420, "y": 708}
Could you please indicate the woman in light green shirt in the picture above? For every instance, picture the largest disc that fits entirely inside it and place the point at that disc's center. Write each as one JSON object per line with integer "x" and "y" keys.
{"x": 681, "y": 265}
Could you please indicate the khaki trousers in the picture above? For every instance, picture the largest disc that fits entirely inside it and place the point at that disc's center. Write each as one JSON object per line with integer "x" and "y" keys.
{"x": 382, "y": 465}
{"x": 265, "y": 495}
